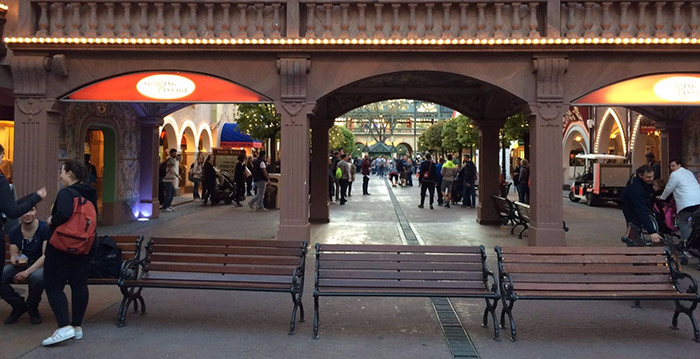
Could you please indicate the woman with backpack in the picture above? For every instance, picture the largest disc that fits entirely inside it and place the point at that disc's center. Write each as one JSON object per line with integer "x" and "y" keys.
{"x": 61, "y": 265}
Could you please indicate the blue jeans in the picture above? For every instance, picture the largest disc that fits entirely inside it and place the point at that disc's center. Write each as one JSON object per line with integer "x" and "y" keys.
{"x": 195, "y": 192}
{"x": 468, "y": 194}
{"x": 259, "y": 194}
{"x": 169, "y": 194}
{"x": 35, "y": 281}
{"x": 683, "y": 221}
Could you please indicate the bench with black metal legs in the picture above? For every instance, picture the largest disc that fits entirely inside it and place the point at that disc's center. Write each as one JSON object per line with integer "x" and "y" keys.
{"x": 600, "y": 273}
{"x": 222, "y": 264}
{"x": 507, "y": 212}
{"x": 404, "y": 271}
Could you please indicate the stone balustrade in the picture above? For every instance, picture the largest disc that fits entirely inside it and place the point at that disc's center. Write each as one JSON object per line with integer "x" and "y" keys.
{"x": 629, "y": 19}
{"x": 362, "y": 19}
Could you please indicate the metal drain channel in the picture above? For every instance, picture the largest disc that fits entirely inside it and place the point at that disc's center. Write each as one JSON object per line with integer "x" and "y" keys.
{"x": 457, "y": 337}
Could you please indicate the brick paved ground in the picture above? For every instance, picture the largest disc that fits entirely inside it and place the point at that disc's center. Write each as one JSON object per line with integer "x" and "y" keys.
{"x": 214, "y": 324}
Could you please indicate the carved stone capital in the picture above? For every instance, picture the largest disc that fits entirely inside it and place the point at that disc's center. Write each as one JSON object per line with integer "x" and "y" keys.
{"x": 548, "y": 114}
{"x": 550, "y": 71}
{"x": 293, "y": 109}
{"x": 293, "y": 71}
{"x": 32, "y": 108}
{"x": 30, "y": 74}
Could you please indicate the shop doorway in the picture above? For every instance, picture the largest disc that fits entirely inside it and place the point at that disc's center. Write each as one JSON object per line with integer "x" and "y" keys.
{"x": 100, "y": 149}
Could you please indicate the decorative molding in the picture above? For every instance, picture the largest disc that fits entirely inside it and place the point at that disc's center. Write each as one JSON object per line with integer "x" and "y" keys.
{"x": 34, "y": 107}
{"x": 550, "y": 71}
{"x": 293, "y": 81}
{"x": 548, "y": 114}
{"x": 30, "y": 74}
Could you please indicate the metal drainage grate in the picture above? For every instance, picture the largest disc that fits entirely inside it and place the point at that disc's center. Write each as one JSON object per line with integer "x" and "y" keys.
{"x": 457, "y": 337}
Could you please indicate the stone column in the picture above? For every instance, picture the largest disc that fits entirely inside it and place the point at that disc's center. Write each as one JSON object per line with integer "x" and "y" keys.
{"x": 489, "y": 170}
{"x": 295, "y": 111}
{"x": 545, "y": 154}
{"x": 37, "y": 128}
{"x": 148, "y": 167}
{"x": 319, "y": 174}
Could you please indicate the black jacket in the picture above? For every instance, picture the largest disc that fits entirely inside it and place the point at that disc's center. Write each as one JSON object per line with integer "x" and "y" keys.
{"x": 636, "y": 205}
{"x": 13, "y": 209}
{"x": 468, "y": 172}
{"x": 208, "y": 175}
{"x": 63, "y": 206}
{"x": 428, "y": 166}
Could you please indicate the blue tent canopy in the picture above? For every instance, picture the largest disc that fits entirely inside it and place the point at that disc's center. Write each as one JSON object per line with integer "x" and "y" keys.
{"x": 232, "y": 137}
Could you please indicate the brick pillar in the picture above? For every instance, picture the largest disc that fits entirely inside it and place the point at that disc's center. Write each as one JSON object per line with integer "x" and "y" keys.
{"x": 545, "y": 154}
{"x": 489, "y": 170}
{"x": 294, "y": 110}
{"x": 148, "y": 168}
{"x": 319, "y": 174}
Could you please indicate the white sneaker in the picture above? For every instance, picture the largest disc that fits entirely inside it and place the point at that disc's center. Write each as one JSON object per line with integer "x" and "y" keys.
{"x": 171, "y": 208}
{"x": 61, "y": 334}
{"x": 78, "y": 333}
{"x": 167, "y": 209}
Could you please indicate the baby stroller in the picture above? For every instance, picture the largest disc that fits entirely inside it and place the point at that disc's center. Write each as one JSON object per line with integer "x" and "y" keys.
{"x": 225, "y": 189}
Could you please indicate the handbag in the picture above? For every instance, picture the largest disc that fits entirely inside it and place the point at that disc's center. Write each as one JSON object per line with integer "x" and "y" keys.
{"x": 426, "y": 174}
{"x": 246, "y": 172}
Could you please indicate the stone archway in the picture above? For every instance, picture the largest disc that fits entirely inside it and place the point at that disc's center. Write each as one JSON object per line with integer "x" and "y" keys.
{"x": 611, "y": 137}
{"x": 575, "y": 141}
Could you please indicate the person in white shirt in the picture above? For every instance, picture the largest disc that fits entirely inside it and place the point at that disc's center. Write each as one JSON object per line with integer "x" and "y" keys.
{"x": 686, "y": 193}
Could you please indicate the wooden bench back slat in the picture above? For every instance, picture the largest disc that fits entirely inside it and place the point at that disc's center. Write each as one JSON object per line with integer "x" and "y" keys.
{"x": 273, "y": 243}
{"x": 412, "y": 257}
{"x": 589, "y": 278}
{"x": 593, "y": 287}
{"x": 503, "y": 205}
{"x": 220, "y": 259}
{"x": 232, "y": 269}
{"x": 358, "y": 283}
{"x": 265, "y": 251}
{"x": 241, "y": 278}
{"x": 586, "y": 259}
{"x": 369, "y": 248}
{"x": 126, "y": 243}
{"x": 610, "y": 294}
{"x": 375, "y": 274}
{"x": 355, "y": 265}
{"x": 581, "y": 250}
{"x": 591, "y": 268}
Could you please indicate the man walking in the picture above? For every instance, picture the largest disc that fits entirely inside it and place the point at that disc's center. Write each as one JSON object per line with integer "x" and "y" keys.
{"x": 345, "y": 177}
{"x": 686, "y": 193}
{"x": 261, "y": 180}
{"x": 365, "y": 175}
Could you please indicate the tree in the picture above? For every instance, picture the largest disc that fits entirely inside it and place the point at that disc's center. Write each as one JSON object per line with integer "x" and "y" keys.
{"x": 339, "y": 138}
{"x": 262, "y": 122}
{"x": 450, "y": 136}
{"x": 517, "y": 128}
{"x": 381, "y": 117}
{"x": 431, "y": 139}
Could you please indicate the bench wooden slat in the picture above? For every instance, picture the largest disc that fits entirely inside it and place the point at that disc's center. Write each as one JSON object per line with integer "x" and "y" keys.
{"x": 265, "y": 251}
{"x": 592, "y": 268}
{"x": 220, "y": 259}
{"x": 622, "y": 287}
{"x": 328, "y": 248}
{"x": 202, "y": 284}
{"x": 581, "y": 250}
{"x": 381, "y": 283}
{"x": 607, "y": 294}
{"x": 413, "y": 257}
{"x": 423, "y": 292}
{"x": 402, "y": 266}
{"x": 232, "y": 269}
{"x": 364, "y": 274}
{"x": 272, "y": 243}
{"x": 209, "y": 277}
{"x": 589, "y": 278}
{"x": 602, "y": 258}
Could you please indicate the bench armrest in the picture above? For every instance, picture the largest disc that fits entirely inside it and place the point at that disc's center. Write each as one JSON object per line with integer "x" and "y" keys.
{"x": 506, "y": 284}
{"x": 679, "y": 276}
{"x": 495, "y": 287}
{"x": 131, "y": 270}
{"x": 299, "y": 271}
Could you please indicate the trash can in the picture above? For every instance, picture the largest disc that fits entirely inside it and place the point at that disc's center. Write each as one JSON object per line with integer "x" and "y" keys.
{"x": 272, "y": 192}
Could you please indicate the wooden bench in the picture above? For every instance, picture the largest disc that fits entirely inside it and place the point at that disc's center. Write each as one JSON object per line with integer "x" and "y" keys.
{"x": 523, "y": 212}
{"x": 404, "y": 271}
{"x": 222, "y": 264}
{"x": 599, "y": 273}
{"x": 507, "y": 212}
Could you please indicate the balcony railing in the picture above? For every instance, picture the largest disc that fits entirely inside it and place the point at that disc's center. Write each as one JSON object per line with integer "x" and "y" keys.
{"x": 360, "y": 19}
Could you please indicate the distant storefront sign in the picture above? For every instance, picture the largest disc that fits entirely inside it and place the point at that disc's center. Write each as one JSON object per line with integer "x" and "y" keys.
{"x": 225, "y": 159}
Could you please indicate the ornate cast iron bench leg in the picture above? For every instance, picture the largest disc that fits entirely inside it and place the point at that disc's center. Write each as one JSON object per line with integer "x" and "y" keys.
{"x": 316, "y": 317}
{"x": 297, "y": 304}
{"x": 508, "y": 310}
{"x": 491, "y": 309}
{"x": 680, "y": 308}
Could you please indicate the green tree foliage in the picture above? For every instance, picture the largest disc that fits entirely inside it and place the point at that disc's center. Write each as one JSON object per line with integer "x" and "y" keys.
{"x": 260, "y": 121}
{"x": 431, "y": 139}
{"x": 468, "y": 132}
{"x": 339, "y": 138}
{"x": 450, "y": 136}
{"x": 517, "y": 127}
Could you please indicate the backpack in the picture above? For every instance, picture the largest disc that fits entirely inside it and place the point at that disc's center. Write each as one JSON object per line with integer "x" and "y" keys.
{"x": 107, "y": 259}
{"x": 338, "y": 173}
{"x": 77, "y": 235}
{"x": 162, "y": 169}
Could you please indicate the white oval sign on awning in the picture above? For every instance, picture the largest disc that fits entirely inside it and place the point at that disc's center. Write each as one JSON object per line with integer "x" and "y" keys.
{"x": 678, "y": 88}
{"x": 165, "y": 86}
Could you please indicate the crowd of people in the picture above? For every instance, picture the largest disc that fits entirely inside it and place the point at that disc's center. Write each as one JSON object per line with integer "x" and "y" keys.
{"x": 454, "y": 180}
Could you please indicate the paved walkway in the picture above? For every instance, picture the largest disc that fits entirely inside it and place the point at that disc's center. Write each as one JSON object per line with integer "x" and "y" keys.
{"x": 216, "y": 324}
